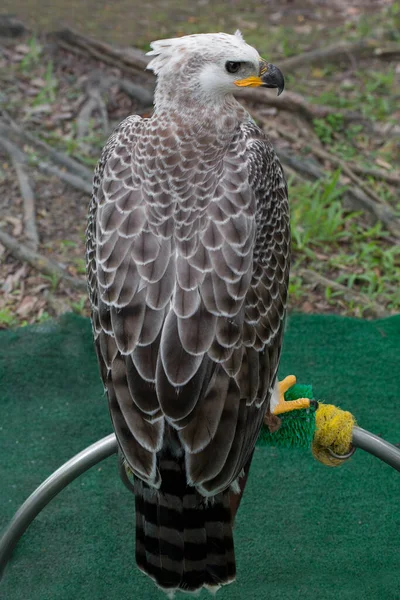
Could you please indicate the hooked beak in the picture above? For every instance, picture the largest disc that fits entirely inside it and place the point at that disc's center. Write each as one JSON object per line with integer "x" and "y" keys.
{"x": 269, "y": 76}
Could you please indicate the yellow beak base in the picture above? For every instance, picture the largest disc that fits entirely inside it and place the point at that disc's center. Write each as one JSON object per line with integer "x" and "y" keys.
{"x": 249, "y": 82}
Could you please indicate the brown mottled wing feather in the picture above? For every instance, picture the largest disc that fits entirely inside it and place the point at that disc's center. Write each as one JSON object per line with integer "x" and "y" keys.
{"x": 246, "y": 290}
{"x": 124, "y": 262}
{"x": 188, "y": 258}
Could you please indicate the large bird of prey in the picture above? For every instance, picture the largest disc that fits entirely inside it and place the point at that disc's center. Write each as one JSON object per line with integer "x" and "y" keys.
{"x": 188, "y": 262}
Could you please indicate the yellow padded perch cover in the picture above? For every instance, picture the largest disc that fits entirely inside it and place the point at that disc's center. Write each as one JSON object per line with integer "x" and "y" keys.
{"x": 334, "y": 428}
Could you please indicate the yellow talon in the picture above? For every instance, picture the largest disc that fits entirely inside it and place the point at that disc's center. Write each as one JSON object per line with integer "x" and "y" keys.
{"x": 283, "y": 406}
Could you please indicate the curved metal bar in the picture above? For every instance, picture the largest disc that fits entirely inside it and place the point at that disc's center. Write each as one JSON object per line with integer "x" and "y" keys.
{"x": 377, "y": 446}
{"x": 50, "y": 488}
{"x": 106, "y": 447}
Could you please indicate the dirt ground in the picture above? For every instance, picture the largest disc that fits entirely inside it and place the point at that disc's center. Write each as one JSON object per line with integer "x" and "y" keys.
{"x": 129, "y": 22}
{"x": 46, "y": 93}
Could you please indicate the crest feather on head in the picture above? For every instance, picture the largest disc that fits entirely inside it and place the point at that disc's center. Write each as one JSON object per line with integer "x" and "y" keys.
{"x": 163, "y": 50}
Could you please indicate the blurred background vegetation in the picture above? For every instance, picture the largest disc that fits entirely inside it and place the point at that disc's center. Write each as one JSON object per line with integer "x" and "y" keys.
{"x": 69, "y": 74}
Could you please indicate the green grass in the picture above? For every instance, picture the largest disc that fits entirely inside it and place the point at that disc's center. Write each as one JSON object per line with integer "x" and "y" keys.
{"x": 317, "y": 216}
{"x": 346, "y": 247}
{"x": 33, "y": 57}
{"x": 48, "y": 93}
{"x": 342, "y": 246}
{"x": 7, "y": 318}
{"x": 80, "y": 265}
{"x": 54, "y": 281}
{"x": 326, "y": 128}
{"x": 80, "y": 306}
{"x": 373, "y": 94}
{"x": 85, "y": 149}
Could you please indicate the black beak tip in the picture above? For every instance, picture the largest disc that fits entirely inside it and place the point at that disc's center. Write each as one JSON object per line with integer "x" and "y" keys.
{"x": 273, "y": 78}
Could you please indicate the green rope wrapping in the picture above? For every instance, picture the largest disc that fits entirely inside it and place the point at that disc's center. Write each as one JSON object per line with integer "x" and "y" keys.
{"x": 297, "y": 428}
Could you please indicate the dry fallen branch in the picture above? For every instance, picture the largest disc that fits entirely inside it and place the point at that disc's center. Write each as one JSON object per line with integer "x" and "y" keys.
{"x": 355, "y": 195}
{"x": 83, "y": 185}
{"x": 335, "y": 160}
{"x": 356, "y": 198}
{"x": 134, "y": 61}
{"x": 38, "y": 261}
{"x": 341, "y": 52}
{"x": 137, "y": 92}
{"x": 97, "y": 89}
{"x": 73, "y": 180}
{"x": 93, "y": 102}
{"x": 306, "y": 169}
{"x": 130, "y": 60}
{"x": 28, "y": 197}
{"x": 390, "y": 177}
{"x": 345, "y": 168}
{"x": 11, "y": 27}
{"x": 133, "y": 58}
{"x": 314, "y": 278}
{"x": 295, "y": 103}
{"x": 15, "y": 132}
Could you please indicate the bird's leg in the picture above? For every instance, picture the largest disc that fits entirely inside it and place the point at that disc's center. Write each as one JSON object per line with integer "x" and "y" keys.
{"x": 282, "y": 406}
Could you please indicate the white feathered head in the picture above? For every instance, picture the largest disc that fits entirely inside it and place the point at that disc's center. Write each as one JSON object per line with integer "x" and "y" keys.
{"x": 210, "y": 65}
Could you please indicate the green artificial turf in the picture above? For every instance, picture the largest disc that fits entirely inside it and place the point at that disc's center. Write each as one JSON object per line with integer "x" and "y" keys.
{"x": 303, "y": 530}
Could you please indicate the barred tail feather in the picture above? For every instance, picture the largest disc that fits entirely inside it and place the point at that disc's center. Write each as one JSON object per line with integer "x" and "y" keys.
{"x": 183, "y": 541}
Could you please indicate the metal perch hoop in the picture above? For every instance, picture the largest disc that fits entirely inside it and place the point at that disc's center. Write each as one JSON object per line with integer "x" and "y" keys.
{"x": 107, "y": 446}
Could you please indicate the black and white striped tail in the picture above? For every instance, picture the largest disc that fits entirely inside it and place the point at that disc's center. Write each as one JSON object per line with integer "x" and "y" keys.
{"x": 183, "y": 540}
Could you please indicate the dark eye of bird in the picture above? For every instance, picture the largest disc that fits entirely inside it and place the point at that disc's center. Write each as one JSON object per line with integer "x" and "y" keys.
{"x": 232, "y": 67}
